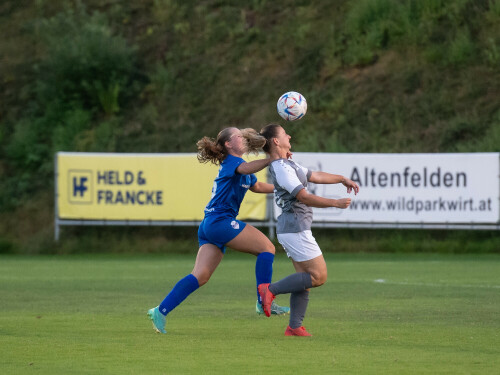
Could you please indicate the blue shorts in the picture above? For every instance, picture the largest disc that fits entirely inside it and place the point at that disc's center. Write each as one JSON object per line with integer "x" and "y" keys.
{"x": 219, "y": 231}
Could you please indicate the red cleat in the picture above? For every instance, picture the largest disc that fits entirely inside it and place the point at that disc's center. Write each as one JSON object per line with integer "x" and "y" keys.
{"x": 301, "y": 331}
{"x": 267, "y": 298}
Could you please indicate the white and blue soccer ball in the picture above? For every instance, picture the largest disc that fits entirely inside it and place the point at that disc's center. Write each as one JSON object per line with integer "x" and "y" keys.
{"x": 292, "y": 106}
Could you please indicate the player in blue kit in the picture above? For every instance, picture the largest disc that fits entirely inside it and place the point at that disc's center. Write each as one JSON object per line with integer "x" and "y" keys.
{"x": 220, "y": 228}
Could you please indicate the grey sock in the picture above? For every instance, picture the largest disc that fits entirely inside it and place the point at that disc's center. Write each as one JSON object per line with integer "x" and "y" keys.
{"x": 298, "y": 307}
{"x": 295, "y": 282}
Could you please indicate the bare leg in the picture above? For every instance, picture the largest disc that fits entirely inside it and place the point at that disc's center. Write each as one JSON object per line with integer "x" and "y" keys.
{"x": 208, "y": 258}
{"x": 315, "y": 267}
{"x": 251, "y": 240}
{"x": 299, "y": 300}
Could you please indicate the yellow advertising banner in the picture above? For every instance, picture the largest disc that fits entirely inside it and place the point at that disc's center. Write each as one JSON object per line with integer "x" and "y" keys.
{"x": 100, "y": 186}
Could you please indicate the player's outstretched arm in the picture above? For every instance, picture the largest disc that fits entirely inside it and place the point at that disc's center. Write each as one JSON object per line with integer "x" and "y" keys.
{"x": 328, "y": 178}
{"x": 321, "y": 202}
{"x": 253, "y": 166}
{"x": 262, "y": 187}
{"x": 325, "y": 178}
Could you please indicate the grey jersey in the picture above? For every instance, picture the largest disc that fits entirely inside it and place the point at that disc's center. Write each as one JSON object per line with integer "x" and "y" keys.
{"x": 288, "y": 179}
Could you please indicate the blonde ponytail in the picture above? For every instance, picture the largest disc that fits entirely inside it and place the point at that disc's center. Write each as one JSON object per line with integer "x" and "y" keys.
{"x": 214, "y": 150}
{"x": 210, "y": 151}
{"x": 253, "y": 140}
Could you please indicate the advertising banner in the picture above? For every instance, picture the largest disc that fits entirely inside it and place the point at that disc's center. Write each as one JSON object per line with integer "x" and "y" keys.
{"x": 100, "y": 186}
{"x": 409, "y": 188}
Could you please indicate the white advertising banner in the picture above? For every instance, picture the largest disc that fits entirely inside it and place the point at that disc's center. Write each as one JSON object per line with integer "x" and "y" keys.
{"x": 409, "y": 188}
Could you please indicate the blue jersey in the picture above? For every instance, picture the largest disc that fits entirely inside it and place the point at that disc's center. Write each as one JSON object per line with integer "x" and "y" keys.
{"x": 229, "y": 188}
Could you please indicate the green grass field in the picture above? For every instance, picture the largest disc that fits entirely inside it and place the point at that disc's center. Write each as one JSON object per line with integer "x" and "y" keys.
{"x": 377, "y": 314}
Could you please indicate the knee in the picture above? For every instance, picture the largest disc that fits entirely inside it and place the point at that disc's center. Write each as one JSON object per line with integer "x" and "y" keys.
{"x": 267, "y": 249}
{"x": 202, "y": 277}
{"x": 318, "y": 279}
{"x": 270, "y": 248}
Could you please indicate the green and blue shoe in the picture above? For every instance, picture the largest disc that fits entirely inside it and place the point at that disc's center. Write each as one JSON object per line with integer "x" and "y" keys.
{"x": 275, "y": 309}
{"x": 158, "y": 319}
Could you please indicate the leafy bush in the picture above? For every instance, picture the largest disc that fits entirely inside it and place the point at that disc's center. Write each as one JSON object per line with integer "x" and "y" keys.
{"x": 86, "y": 73}
{"x": 6, "y": 247}
{"x": 461, "y": 48}
{"x": 85, "y": 63}
{"x": 379, "y": 76}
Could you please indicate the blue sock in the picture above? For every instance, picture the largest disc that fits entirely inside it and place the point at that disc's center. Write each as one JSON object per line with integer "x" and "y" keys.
{"x": 181, "y": 290}
{"x": 264, "y": 270}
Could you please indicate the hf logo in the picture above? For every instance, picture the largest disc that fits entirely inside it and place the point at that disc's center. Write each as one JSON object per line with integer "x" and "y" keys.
{"x": 80, "y": 186}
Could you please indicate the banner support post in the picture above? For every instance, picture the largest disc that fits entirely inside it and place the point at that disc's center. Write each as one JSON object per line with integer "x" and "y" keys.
{"x": 56, "y": 197}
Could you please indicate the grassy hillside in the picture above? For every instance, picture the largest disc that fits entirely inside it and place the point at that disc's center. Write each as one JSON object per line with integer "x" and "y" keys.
{"x": 156, "y": 75}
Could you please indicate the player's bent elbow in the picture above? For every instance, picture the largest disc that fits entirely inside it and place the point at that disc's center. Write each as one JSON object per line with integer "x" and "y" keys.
{"x": 304, "y": 197}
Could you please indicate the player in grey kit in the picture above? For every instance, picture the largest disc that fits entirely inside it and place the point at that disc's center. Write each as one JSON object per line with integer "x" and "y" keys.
{"x": 294, "y": 226}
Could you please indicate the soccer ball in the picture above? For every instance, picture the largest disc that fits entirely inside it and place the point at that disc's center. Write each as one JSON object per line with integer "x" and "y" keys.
{"x": 292, "y": 106}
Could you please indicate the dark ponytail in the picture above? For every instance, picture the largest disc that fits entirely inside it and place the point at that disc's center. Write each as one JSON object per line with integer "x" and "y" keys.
{"x": 269, "y": 132}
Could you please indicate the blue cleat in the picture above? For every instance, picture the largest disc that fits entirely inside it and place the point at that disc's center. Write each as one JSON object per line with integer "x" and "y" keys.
{"x": 275, "y": 309}
{"x": 158, "y": 320}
